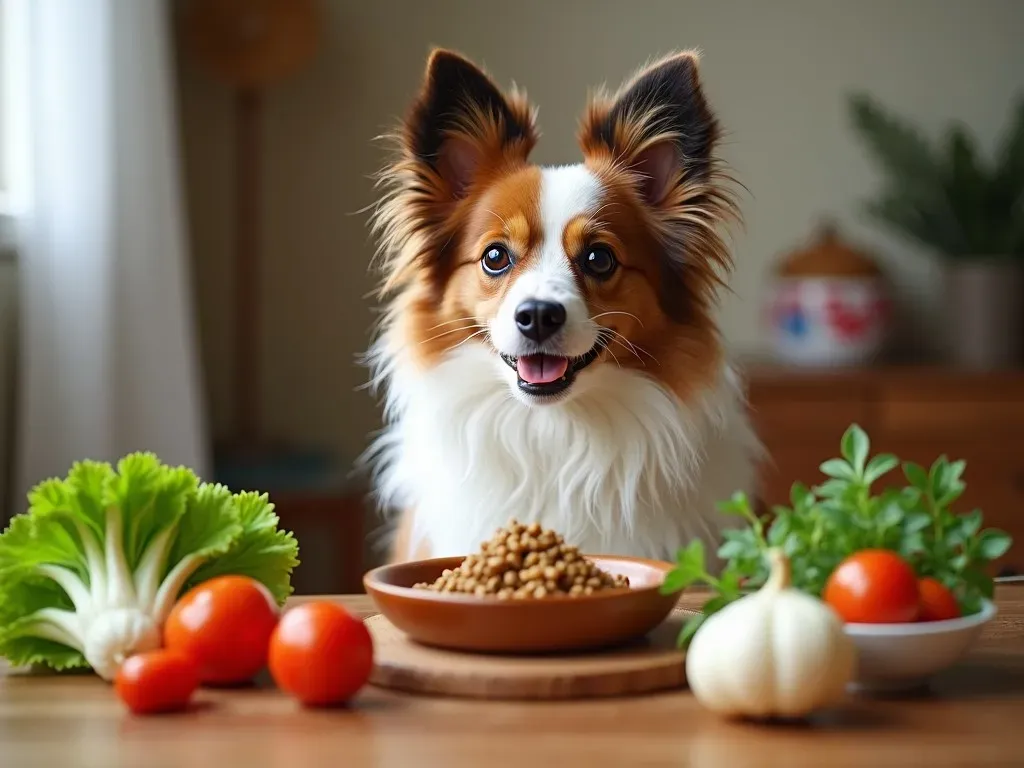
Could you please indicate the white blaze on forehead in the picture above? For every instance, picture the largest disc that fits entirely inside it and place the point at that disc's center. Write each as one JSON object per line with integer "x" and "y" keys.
{"x": 566, "y": 193}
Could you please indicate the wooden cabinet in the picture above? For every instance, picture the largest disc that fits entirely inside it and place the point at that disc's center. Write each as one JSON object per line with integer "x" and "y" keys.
{"x": 330, "y": 528}
{"x": 917, "y": 414}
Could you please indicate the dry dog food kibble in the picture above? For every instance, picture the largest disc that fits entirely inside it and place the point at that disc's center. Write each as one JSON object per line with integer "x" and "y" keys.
{"x": 526, "y": 561}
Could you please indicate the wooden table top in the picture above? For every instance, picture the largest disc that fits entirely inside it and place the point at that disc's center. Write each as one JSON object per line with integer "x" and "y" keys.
{"x": 974, "y": 716}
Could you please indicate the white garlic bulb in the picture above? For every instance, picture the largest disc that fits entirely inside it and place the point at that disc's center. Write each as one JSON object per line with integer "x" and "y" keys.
{"x": 778, "y": 652}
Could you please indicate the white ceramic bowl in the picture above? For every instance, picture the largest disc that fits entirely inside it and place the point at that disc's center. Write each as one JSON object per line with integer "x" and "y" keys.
{"x": 900, "y": 657}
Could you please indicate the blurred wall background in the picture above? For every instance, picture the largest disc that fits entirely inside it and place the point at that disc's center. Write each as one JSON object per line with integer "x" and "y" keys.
{"x": 777, "y": 72}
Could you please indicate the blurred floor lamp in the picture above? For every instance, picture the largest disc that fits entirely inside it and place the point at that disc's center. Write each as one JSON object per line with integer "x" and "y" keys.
{"x": 251, "y": 45}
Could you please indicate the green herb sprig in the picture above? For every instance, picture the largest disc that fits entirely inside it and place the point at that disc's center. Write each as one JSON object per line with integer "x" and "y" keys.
{"x": 825, "y": 524}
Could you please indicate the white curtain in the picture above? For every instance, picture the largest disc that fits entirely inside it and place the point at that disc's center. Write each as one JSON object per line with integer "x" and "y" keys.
{"x": 108, "y": 352}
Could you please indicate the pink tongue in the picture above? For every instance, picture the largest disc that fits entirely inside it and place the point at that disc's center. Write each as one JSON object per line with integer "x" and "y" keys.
{"x": 541, "y": 369}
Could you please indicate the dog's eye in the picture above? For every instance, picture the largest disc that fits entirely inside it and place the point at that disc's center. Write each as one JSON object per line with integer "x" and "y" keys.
{"x": 496, "y": 260}
{"x": 598, "y": 262}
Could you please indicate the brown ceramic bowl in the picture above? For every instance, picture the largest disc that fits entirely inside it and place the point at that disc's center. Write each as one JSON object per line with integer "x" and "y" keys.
{"x": 490, "y": 625}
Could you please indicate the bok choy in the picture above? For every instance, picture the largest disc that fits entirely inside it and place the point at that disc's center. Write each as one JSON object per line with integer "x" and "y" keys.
{"x": 90, "y": 572}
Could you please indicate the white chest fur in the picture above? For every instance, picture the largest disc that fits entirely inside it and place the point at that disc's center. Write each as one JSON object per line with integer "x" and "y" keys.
{"x": 623, "y": 467}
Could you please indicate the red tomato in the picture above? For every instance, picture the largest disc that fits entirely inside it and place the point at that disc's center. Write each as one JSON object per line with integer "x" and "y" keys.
{"x": 873, "y": 586}
{"x": 937, "y": 602}
{"x": 156, "y": 681}
{"x": 321, "y": 654}
{"x": 224, "y": 624}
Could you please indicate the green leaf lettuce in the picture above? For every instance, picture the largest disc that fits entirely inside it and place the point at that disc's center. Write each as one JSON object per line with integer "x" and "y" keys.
{"x": 89, "y": 573}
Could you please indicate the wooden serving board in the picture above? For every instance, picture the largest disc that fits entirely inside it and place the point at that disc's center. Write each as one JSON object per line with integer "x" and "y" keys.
{"x": 651, "y": 664}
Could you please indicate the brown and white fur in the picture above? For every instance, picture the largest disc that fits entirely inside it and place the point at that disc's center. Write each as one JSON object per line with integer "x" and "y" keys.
{"x": 627, "y": 455}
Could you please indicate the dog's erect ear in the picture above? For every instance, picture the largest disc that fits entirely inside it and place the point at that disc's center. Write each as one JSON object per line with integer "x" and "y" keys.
{"x": 661, "y": 133}
{"x": 460, "y": 128}
{"x": 462, "y": 122}
{"x": 659, "y": 125}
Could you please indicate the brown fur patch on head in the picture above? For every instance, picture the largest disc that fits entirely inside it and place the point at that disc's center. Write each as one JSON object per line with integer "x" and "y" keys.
{"x": 460, "y": 133}
{"x": 677, "y": 345}
{"x": 653, "y": 146}
{"x": 505, "y": 213}
{"x": 655, "y": 141}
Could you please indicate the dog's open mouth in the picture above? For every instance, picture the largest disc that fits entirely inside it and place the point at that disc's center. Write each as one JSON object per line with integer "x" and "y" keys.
{"x": 544, "y": 375}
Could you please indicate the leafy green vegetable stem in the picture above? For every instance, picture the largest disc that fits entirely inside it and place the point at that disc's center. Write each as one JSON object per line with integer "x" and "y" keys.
{"x": 844, "y": 514}
{"x": 90, "y": 573}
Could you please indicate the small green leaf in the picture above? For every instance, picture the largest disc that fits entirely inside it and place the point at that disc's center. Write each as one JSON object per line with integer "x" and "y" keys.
{"x": 912, "y": 544}
{"x": 737, "y": 505}
{"x": 953, "y": 491}
{"x": 911, "y": 495}
{"x": 794, "y": 544}
{"x": 837, "y": 515}
{"x": 890, "y": 515}
{"x": 916, "y": 475}
{"x": 961, "y": 530}
{"x": 812, "y": 574}
{"x": 993, "y": 544}
{"x": 970, "y": 523}
{"x": 938, "y": 478}
{"x": 740, "y": 544}
{"x": 970, "y": 604}
{"x": 715, "y": 604}
{"x": 864, "y": 524}
{"x": 731, "y": 549}
{"x": 675, "y": 581}
{"x": 955, "y": 470}
{"x": 800, "y": 496}
{"x": 779, "y": 530}
{"x": 880, "y": 465}
{"x": 831, "y": 489}
{"x": 690, "y": 629}
{"x": 740, "y": 499}
{"x": 855, "y": 446}
{"x": 953, "y": 536}
{"x": 959, "y": 562}
{"x": 978, "y": 580}
{"x": 838, "y": 469}
{"x": 916, "y": 521}
{"x": 692, "y": 552}
{"x": 729, "y": 584}
{"x": 691, "y": 559}
{"x": 728, "y": 508}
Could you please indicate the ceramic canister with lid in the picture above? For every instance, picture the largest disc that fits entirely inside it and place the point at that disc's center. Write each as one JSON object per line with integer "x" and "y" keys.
{"x": 828, "y": 305}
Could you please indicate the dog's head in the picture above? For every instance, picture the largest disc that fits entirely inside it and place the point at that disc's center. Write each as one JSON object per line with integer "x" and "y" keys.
{"x": 558, "y": 270}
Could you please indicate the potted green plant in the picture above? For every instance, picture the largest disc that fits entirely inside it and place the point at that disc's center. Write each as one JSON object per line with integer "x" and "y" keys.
{"x": 968, "y": 210}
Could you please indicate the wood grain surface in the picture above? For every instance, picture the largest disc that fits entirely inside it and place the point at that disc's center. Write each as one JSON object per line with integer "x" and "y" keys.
{"x": 654, "y": 664}
{"x": 973, "y": 717}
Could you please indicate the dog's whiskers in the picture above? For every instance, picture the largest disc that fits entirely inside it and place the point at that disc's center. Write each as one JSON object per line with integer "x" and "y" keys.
{"x": 606, "y": 205}
{"x": 453, "y": 330}
{"x": 629, "y": 348}
{"x": 634, "y": 349}
{"x": 614, "y": 356}
{"x": 617, "y": 312}
{"x": 499, "y": 218}
{"x": 482, "y": 330}
{"x": 449, "y": 322}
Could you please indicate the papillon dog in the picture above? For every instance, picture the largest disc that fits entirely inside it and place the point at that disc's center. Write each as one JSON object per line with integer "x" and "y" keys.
{"x": 547, "y": 347}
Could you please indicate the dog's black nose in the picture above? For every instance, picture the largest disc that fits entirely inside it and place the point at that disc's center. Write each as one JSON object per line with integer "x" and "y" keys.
{"x": 539, "y": 320}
